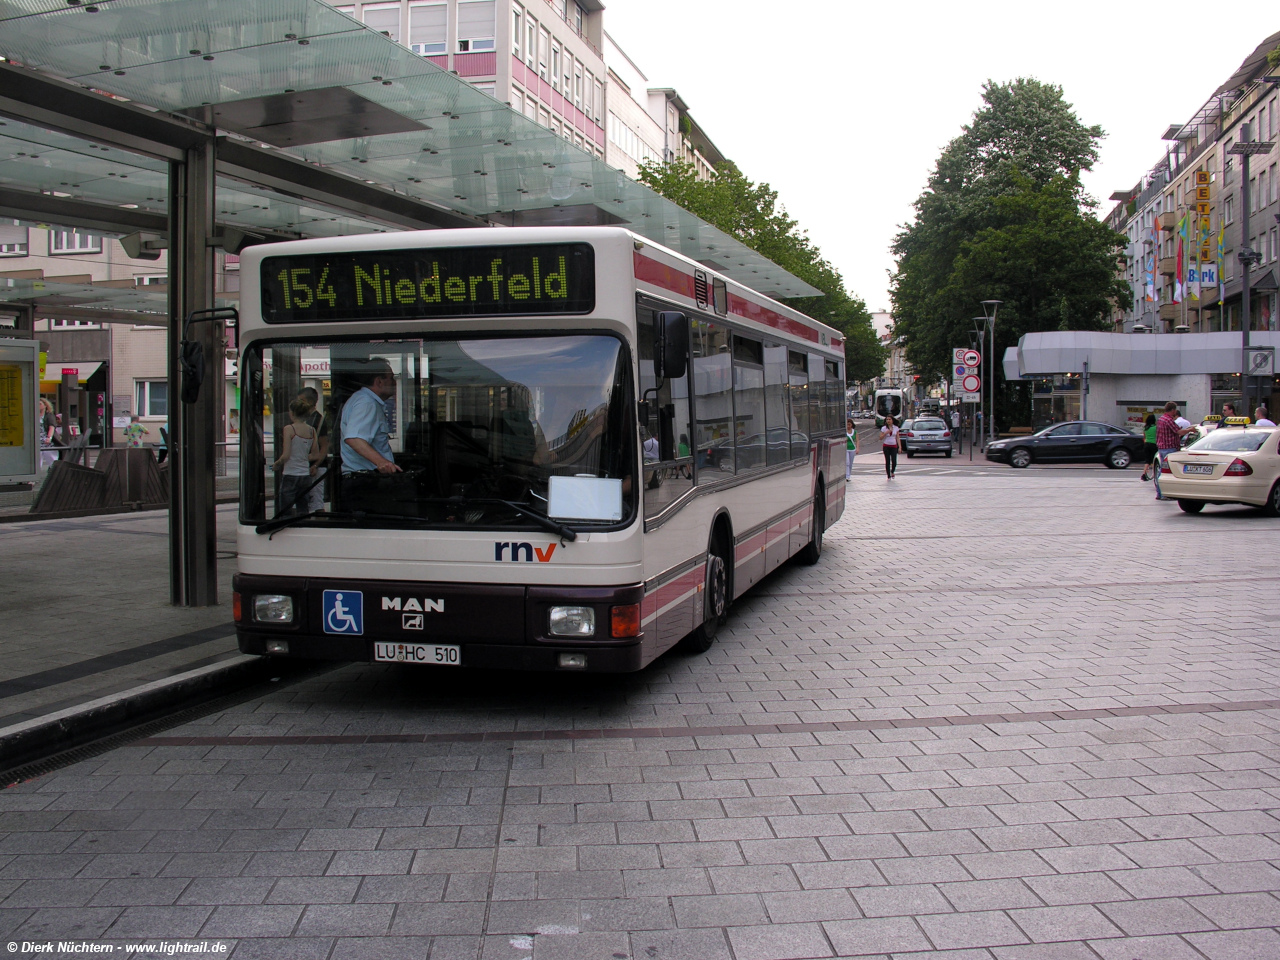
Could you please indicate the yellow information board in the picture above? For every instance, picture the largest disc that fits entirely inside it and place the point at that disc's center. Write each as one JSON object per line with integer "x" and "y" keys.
{"x": 12, "y": 420}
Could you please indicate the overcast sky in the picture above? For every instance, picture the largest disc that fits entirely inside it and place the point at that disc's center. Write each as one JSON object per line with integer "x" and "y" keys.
{"x": 843, "y": 107}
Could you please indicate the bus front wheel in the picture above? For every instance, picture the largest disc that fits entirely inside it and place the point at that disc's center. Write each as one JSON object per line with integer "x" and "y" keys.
{"x": 715, "y": 602}
{"x": 812, "y": 551}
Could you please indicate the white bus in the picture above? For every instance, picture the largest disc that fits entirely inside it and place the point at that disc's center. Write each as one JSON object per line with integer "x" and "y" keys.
{"x": 592, "y": 445}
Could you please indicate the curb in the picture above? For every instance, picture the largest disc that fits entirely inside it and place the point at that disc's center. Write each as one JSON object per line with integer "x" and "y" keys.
{"x": 40, "y": 737}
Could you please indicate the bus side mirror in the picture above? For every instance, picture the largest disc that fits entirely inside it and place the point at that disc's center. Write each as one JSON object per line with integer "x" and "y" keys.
{"x": 670, "y": 345}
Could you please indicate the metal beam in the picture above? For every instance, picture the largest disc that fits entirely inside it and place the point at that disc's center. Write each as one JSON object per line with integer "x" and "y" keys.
{"x": 58, "y": 105}
{"x": 194, "y": 429}
{"x": 305, "y": 181}
{"x": 42, "y": 208}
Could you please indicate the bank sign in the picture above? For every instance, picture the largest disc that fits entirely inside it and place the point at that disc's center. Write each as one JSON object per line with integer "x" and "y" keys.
{"x": 1206, "y": 274}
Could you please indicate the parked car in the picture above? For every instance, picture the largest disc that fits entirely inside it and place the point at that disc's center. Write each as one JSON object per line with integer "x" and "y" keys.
{"x": 1232, "y": 464}
{"x": 925, "y": 435}
{"x": 1080, "y": 441}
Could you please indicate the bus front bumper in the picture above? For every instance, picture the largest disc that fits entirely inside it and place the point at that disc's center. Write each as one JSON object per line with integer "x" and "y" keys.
{"x": 502, "y": 626}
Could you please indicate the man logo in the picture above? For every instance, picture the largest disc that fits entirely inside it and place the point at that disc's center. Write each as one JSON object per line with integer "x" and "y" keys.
{"x": 523, "y": 552}
{"x": 411, "y": 621}
{"x": 413, "y": 604}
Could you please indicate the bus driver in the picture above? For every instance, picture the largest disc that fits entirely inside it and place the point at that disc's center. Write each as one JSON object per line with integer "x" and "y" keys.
{"x": 366, "y": 443}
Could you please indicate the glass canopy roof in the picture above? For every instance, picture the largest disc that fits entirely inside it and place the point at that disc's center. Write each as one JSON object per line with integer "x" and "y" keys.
{"x": 210, "y": 59}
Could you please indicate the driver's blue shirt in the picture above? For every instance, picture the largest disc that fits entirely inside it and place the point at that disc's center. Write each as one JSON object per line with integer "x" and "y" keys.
{"x": 365, "y": 418}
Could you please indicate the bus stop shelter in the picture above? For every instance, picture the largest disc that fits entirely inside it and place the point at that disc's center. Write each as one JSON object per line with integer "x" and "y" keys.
{"x": 194, "y": 124}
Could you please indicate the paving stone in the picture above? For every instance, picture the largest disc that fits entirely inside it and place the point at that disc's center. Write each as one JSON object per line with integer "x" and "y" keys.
{"x": 880, "y": 935}
{"x": 1141, "y": 918}
{"x": 1050, "y": 924}
{"x": 779, "y": 941}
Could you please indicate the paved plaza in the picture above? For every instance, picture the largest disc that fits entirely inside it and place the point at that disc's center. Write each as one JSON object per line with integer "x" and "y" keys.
{"x": 1025, "y": 715}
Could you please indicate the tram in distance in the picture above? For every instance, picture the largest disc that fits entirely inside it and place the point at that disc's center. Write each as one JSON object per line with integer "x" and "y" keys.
{"x": 533, "y": 448}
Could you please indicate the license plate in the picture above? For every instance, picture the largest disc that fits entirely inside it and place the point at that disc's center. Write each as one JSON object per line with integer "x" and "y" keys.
{"x": 1197, "y": 468}
{"x": 438, "y": 653}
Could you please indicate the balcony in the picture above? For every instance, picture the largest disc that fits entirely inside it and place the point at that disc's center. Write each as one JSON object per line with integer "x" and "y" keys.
{"x": 1171, "y": 311}
{"x": 1167, "y": 220}
{"x": 1169, "y": 266}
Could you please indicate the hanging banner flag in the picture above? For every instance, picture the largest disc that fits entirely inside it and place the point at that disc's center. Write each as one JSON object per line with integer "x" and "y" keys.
{"x": 1222, "y": 236}
{"x": 1179, "y": 287}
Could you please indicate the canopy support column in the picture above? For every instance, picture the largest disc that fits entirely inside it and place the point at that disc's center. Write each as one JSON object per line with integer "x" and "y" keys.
{"x": 193, "y": 428}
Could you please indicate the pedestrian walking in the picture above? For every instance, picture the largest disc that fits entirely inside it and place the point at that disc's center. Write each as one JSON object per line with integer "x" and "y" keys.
{"x": 1228, "y": 410}
{"x": 1261, "y": 419}
{"x": 1168, "y": 440}
{"x": 1149, "y": 447}
{"x": 134, "y": 432}
{"x": 889, "y": 443}
{"x": 850, "y": 447}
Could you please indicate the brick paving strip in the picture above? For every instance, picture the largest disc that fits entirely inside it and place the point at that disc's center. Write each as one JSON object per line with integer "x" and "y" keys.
{"x": 750, "y": 729}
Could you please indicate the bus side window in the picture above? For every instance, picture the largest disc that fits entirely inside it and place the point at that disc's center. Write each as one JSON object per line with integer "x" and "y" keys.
{"x": 748, "y": 402}
{"x": 665, "y": 424}
{"x": 817, "y": 395}
{"x": 777, "y": 419}
{"x": 713, "y": 400}
{"x": 798, "y": 377}
{"x": 834, "y": 396}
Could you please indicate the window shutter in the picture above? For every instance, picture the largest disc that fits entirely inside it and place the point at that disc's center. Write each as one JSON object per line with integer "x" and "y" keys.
{"x": 384, "y": 20}
{"x": 476, "y": 20}
{"x": 428, "y": 23}
{"x": 12, "y": 233}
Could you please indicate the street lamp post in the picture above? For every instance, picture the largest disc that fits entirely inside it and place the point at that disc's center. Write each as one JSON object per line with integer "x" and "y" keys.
{"x": 1247, "y": 256}
{"x": 989, "y": 308}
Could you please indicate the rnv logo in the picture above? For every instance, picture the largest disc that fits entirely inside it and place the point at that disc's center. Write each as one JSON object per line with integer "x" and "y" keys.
{"x": 523, "y": 552}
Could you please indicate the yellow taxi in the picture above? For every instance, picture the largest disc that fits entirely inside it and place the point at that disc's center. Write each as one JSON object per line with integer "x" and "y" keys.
{"x": 1235, "y": 463}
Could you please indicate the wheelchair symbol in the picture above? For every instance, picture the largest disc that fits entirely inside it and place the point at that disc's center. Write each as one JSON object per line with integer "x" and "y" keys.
{"x": 343, "y": 612}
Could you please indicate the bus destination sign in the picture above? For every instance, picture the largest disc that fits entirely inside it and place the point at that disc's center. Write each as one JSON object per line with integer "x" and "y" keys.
{"x": 426, "y": 284}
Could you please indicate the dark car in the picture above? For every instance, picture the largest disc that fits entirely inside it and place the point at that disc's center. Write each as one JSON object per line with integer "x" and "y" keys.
{"x": 1081, "y": 441}
{"x": 925, "y": 435}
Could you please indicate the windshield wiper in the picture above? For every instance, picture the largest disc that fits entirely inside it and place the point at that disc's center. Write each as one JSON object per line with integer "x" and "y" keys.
{"x": 279, "y": 523}
{"x": 565, "y": 533}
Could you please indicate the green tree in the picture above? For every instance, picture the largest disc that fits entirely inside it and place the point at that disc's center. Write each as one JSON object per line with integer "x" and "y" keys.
{"x": 750, "y": 212}
{"x": 1004, "y": 217}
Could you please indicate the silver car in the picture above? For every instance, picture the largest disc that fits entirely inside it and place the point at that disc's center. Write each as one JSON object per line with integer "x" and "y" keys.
{"x": 926, "y": 435}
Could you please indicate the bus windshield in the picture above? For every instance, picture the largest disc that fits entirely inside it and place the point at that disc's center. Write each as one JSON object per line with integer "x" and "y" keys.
{"x": 476, "y": 429}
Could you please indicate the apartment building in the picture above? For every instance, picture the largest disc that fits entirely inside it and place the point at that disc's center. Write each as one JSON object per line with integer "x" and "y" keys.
{"x": 1191, "y": 200}
{"x": 551, "y": 60}
{"x": 543, "y": 57}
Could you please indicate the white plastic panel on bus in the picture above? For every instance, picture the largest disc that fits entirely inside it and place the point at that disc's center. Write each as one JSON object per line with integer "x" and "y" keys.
{"x": 585, "y": 498}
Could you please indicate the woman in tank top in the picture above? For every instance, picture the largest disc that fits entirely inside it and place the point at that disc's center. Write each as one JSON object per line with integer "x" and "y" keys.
{"x": 296, "y": 461}
{"x": 889, "y": 441}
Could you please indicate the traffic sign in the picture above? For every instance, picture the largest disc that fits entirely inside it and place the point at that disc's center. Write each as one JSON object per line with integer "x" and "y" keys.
{"x": 972, "y": 383}
{"x": 960, "y": 370}
{"x": 957, "y": 354}
{"x": 970, "y": 398}
{"x": 972, "y": 358}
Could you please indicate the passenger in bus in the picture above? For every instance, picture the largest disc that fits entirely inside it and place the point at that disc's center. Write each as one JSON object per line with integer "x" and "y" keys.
{"x": 296, "y": 461}
{"x": 321, "y": 425}
{"x": 366, "y": 435}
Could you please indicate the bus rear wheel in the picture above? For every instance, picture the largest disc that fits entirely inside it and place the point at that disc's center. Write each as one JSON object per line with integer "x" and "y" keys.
{"x": 715, "y": 602}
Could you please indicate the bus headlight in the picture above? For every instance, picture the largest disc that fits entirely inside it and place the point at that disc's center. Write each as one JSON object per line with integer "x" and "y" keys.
{"x": 273, "y": 608}
{"x": 573, "y": 622}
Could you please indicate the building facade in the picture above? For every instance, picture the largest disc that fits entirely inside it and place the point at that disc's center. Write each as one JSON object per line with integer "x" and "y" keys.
{"x": 1184, "y": 221}
{"x": 551, "y": 60}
